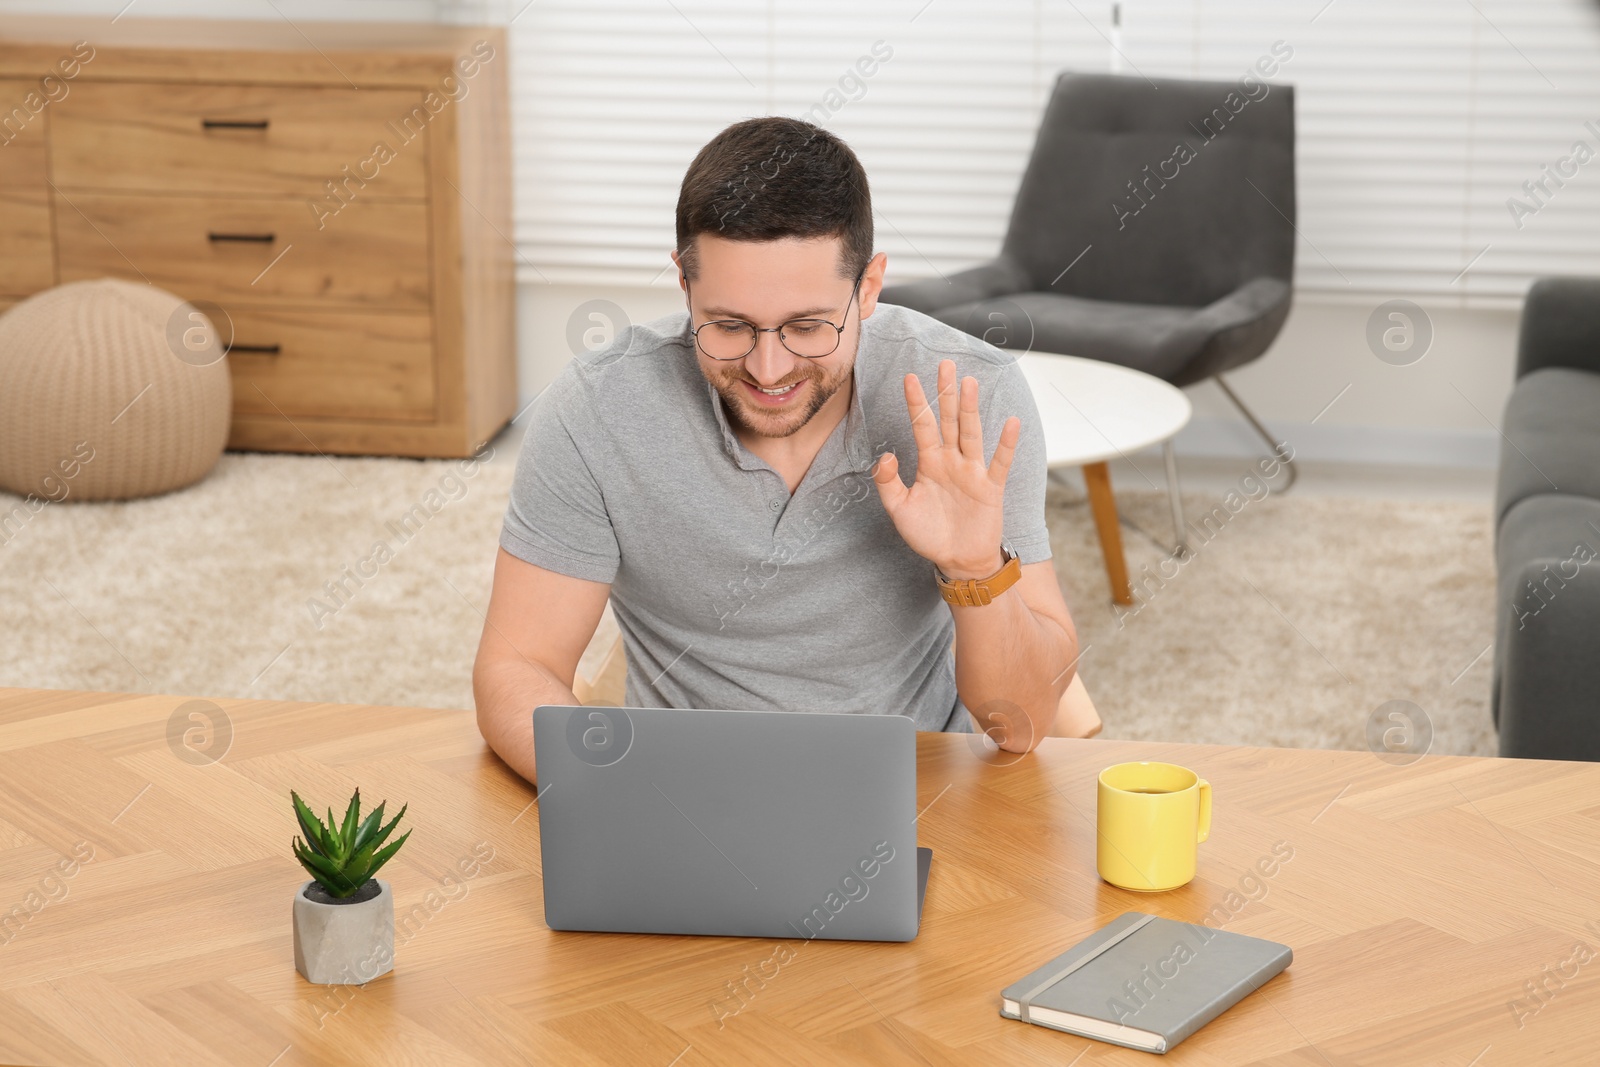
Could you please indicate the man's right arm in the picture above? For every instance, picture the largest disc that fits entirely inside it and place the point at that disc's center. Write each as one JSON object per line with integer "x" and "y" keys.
{"x": 537, "y": 627}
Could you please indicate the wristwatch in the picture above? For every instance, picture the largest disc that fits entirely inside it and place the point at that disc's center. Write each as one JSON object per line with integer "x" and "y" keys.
{"x": 975, "y": 592}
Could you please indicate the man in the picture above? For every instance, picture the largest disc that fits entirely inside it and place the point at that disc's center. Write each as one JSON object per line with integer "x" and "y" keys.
{"x": 735, "y": 480}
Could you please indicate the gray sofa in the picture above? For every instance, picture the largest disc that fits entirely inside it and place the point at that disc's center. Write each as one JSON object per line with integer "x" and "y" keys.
{"x": 1546, "y": 690}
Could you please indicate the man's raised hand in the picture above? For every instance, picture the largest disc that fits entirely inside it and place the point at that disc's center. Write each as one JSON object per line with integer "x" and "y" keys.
{"x": 952, "y": 513}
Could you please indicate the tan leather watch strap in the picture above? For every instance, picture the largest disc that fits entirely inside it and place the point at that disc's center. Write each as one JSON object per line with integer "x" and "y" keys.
{"x": 975, "y": 592}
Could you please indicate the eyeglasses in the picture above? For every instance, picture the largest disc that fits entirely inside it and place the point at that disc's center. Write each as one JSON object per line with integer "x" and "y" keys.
{"x": 730, "y": 339}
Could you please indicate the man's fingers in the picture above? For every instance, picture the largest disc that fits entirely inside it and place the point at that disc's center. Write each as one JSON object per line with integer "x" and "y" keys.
{"x": 886, "y": 476}
{"x": 923, "y": 429}
{"x": 949, "y": 402}
{"x": 971, "y": 435}
{"x": 1000, "y": 465}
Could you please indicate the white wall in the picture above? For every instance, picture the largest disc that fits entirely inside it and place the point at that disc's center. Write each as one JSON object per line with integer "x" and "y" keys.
{"x": 1419, "y": 414}
{"x": 1441, "y": 410}
{"x": 547, "y": 315}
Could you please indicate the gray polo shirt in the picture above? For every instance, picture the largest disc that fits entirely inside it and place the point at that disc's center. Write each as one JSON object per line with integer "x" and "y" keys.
{"x": 730, "y": 593}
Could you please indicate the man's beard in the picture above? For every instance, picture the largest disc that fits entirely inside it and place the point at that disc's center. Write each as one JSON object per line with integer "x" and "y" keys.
{"x": 743, "y": 412}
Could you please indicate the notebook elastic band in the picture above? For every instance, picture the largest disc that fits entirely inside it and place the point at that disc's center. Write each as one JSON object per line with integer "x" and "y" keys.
{"x": 1026, "y": 1000}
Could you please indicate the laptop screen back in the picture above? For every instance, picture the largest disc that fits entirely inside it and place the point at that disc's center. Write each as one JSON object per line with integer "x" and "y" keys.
{"x": 749, "y": 824}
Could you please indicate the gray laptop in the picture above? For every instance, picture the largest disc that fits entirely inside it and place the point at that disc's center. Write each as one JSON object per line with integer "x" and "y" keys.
{"x": 733, "y": 823}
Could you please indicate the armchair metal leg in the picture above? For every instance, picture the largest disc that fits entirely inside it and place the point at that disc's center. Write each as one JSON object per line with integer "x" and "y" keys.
{"x": 1261, "y": 430}
{"x": 1174, "y": 499}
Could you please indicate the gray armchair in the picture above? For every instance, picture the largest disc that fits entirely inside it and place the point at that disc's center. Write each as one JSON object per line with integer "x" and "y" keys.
{"x": 1154, "y": 228}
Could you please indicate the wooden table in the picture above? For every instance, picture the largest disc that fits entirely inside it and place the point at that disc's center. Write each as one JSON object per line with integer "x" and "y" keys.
{"x": 1093, "y": 412}
{"x": 1422, "y": 902}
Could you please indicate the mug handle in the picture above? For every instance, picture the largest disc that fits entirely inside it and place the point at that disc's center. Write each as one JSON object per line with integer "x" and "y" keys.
{"x": 1205, "y": 810}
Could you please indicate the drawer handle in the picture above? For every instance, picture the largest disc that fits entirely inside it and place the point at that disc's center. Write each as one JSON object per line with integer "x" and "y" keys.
{"x": 234, "y": 124}
{"x": 258, "y": 238}
{"x": 264, "y": 350}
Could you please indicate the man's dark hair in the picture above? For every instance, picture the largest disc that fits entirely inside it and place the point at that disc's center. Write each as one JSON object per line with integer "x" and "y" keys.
{"x": 768, "y": 178}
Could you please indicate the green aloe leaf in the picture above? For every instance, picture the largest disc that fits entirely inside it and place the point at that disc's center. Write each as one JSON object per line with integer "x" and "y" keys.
{"x": 384, "y": 833}
{"x": 363, "y": 859}
{"x": 361, "y": 862}
{"x": 386, "y": 855}
{"x": 333, "y": 839}
{"x": 330, "y": 876}
{"x": 368, "y": 826}
{"x": 310, "y": 825}
{"x": 352, "y": 814}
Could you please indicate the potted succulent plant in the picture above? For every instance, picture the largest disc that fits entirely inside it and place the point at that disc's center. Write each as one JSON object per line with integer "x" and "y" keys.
{"x": 344, "y": 917}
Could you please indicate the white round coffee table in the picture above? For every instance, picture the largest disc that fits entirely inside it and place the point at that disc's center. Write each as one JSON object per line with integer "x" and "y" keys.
{"x": 1093, "y": 412}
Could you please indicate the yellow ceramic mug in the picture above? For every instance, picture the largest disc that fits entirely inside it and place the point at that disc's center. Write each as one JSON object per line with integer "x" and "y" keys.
{"x": 1152, "y": 817}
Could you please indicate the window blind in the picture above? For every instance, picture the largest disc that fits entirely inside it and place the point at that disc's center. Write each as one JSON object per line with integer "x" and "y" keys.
{"x": 1438, "y": 140}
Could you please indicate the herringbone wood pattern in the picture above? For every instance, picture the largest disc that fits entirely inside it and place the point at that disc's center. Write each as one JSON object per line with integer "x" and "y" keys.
{"x": 1433, "y": 908}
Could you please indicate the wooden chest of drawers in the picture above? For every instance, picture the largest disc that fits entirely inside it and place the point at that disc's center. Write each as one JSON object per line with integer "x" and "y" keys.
{"x": 341, "y": 192}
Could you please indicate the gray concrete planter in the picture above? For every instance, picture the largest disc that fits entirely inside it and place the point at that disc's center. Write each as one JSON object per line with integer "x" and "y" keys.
{"x": 343, "y": 944}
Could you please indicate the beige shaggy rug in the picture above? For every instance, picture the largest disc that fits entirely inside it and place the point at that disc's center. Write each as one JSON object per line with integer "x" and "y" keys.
{"x": 1288, "y": 627}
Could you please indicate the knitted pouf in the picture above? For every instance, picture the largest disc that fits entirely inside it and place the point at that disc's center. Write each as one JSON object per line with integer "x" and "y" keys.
{"x": 108, "y": 390}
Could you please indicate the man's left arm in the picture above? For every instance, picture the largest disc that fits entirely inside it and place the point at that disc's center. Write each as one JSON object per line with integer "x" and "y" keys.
{"x": 1016, "y": 655}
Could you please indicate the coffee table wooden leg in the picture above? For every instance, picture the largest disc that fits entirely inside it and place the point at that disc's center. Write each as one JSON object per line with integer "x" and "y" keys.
{"x": 1097, "y": 476}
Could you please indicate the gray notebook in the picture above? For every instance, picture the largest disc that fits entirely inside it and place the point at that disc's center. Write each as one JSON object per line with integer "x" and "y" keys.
{"x": 1144, "y": 982}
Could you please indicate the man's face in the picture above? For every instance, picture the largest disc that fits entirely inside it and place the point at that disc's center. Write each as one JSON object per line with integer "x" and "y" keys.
{"x": 767, "y": 283}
